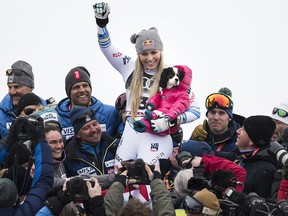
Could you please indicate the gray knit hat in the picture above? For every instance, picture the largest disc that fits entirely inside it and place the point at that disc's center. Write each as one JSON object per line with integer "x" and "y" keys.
{"x": 8, "y": 193}
{"x": 147, "y": 40}
{"x": 25, "y": 77}
{"x": 76, "y": 75}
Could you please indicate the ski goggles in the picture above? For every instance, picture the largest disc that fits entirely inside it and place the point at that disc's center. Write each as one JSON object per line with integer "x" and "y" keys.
{"x": 16, "y": 72}
{"x": 218, "y": 100}
{"x": 120, "y": 102}
{"x": 280, "y": 112}
{"x": 191, "y": 205}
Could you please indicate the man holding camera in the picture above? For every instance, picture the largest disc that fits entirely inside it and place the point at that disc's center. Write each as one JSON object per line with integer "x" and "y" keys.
{"x": 23, "y": 128}
{"x": 161, "y": 201}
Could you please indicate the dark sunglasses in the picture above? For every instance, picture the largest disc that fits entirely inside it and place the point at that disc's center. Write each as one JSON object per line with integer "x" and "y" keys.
{"x": 280, "y": 112}
{"x": 120, "y": 102}
{"x": 191, "y": 205}
{"x": 29, "y": 111}
{"x": 16, "y": 72}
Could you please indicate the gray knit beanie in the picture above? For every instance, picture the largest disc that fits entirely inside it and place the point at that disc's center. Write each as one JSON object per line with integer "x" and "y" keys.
{"x": 147, "y": 40}
{"x": 76, "y": 75}
{"x": 25, "y": 78}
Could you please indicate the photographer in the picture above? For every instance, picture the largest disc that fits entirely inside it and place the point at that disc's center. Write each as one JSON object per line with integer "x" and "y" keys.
{"x": 28, "y": 128}
{"x": 75, "y": 191}
{"x": 207, "y": 164}
{"x": 161, "y": 200}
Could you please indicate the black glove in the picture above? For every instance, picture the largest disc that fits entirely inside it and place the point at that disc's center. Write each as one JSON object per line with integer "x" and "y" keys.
{"x": 122, "y": 179}
{"x": 57, "y": 203}
{"x": 157, "y": 175}
{"x": 177, "y": 136}
{"x": 101, "y": 10}
{"x": 11, "y": 138}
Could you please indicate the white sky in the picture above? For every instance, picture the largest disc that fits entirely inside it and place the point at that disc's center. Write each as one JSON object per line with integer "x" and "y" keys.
{"x": 238, "y": 44}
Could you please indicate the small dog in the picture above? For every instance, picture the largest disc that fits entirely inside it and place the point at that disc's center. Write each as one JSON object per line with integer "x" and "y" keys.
{"x": 170, "y": 101}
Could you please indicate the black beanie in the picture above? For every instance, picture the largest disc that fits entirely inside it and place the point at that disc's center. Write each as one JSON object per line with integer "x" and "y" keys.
{"x": 259, "y": 129}
{"x": 26, "y": 100}
{"x": 76, "y": 75}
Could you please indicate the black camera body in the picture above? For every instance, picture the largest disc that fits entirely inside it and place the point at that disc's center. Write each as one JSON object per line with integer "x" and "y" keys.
{"x": 136, "y": 170}
{"x": 182, "y": 156}
{"x": 229, "y": 208}
{"x": 77, "y": 188}
{"x": 25, "y": 128}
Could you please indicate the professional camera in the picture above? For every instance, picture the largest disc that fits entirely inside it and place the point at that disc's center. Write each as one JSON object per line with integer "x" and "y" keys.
{"x": 279, "y": 151}
{"x": 229, "y": 208}
{"x": 136, "y": 170}
{"x": 182, "y": 156}
{"x": 283, "y": 206}
{"x": 25, "y": 127}
{"x": 77, "y": 188}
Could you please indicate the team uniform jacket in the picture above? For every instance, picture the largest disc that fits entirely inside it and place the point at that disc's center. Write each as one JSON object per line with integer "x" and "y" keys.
{"x": 106, "y": 115}
{"x": 93, "y": 160}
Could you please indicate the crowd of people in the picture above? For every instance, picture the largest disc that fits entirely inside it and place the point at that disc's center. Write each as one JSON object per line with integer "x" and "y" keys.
{"x": 83, "y": 157}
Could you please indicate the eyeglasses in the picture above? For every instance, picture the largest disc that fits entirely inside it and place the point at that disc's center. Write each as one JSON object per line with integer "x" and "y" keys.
{"x": 120, "y": 102}
{"x": 192, "y": 205}
{"x": 280, "y": 112}
{"x": 29, "y": 111}
{"x": 218, "y": 100}
{"x": 16, "y": 72}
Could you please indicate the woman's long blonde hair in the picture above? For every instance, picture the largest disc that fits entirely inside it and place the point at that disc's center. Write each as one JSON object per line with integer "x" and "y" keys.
{"x": 137, "y": 84}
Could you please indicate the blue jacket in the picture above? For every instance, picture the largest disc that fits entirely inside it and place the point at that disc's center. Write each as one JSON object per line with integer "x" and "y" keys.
{"x": 106, "y": 115}
{"x": 94, "y": 160}
{"x": 7, "y": 114}
{"x": 42, "y": 181}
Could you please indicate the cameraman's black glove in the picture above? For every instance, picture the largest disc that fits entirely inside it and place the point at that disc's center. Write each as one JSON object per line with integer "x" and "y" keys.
{"x": 122, "y": 179}
{"x": 11, "y": 138}
{"x": 101, "y": 11}
{"x": 157, "y": 175}
{"x": 57, "y": 203}
{"x": 177, "y": 136}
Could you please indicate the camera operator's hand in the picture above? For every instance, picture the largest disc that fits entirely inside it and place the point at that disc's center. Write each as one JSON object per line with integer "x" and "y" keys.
{"x": 11, "y": 138}
{"x": 94, "y": 190}
{"x": 123, "y": 179}
{"x": 200, "y": 133}
{"x": 101, "y": 11}
{"x": 156, "y": 174}
{"x": 177, "y": 136}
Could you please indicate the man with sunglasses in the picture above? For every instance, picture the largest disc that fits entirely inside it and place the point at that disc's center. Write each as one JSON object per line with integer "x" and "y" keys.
{"x": 20, "y": 81}
{"x": 219, "y": 130}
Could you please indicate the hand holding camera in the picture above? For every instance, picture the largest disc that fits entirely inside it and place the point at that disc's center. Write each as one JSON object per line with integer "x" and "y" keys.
{"x": 184, "y": 159}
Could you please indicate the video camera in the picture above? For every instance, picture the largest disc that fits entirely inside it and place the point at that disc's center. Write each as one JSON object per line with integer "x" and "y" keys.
{"x": 25, "y": 127}
{"x": 182, "y": 156}
{"x": 77, "y": 188}
{"x": 136, "y": 170}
